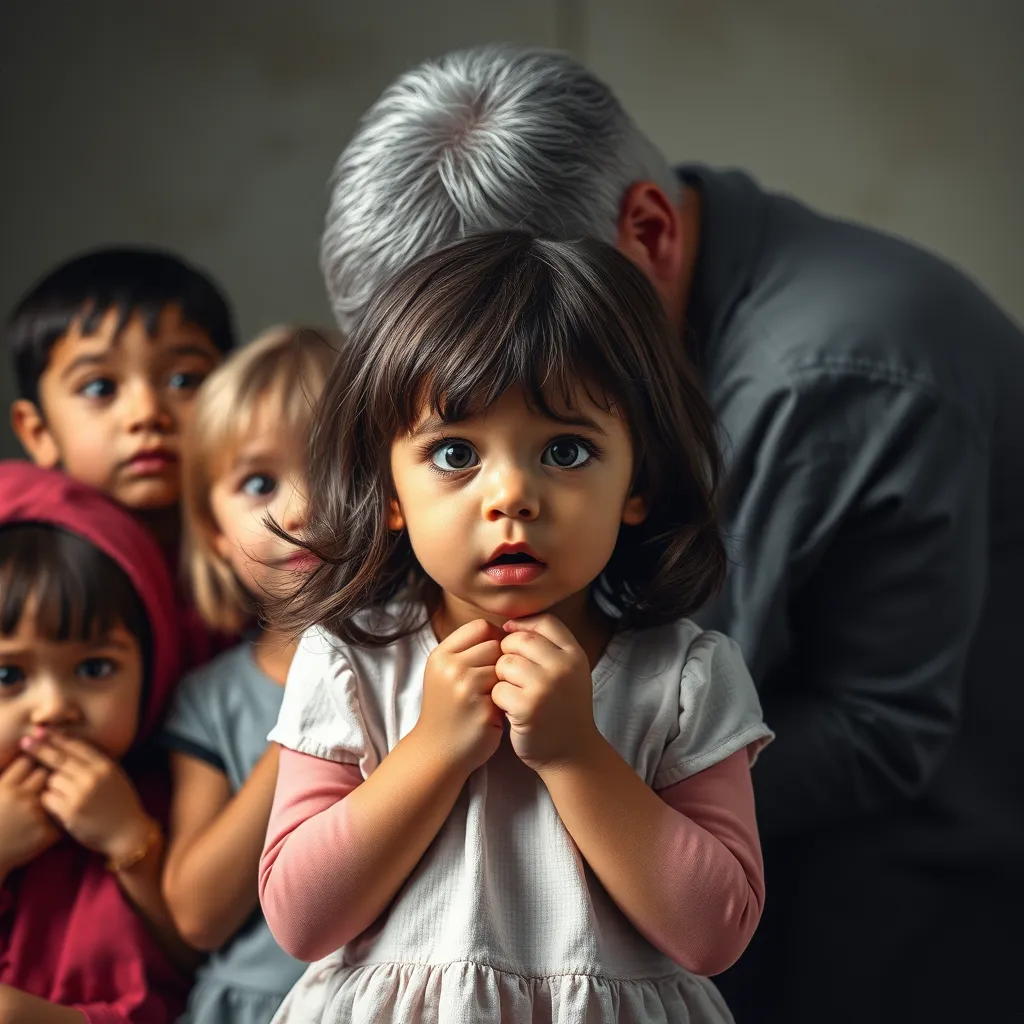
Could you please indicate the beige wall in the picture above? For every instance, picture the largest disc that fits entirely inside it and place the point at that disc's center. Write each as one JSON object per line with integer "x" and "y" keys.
{"x": 214, "y": 134}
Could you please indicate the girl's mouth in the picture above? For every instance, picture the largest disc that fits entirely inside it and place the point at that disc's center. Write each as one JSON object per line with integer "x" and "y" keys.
{"x": 514, "y": 568}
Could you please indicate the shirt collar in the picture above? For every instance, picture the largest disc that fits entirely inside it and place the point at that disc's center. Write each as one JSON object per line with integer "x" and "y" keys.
{"x": 733, "y": 215}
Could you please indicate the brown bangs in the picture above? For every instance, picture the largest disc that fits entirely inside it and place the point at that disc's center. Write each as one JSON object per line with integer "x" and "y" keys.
{"x": 448, "y": 337}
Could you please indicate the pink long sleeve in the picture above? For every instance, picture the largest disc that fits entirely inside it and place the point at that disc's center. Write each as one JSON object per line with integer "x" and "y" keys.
{"x": 712, "y": 879}
{"x": 301, "y": 887}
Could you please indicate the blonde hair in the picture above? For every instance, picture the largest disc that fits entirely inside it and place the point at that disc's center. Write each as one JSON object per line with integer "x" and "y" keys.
{"x": 284, "y": 365}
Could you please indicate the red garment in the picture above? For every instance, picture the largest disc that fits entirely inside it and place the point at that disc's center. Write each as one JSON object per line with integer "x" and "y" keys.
{"x": 67, "y": 934}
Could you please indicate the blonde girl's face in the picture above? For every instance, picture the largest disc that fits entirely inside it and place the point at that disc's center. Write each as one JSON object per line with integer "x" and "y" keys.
{"x": 512, "y": 512}
{"x": 262, "y": 476}
{"x": 85, "y": 689}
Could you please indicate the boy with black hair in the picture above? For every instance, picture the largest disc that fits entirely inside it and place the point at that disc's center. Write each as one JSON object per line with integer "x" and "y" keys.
{"x": 108, "y": 351}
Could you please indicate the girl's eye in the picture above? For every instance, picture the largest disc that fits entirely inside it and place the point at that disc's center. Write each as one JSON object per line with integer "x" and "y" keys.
{"x": 95, "y": 668}
{"x": 102, "y": 387}
{"x": 454, "y": 455}
{"x": 10, "y": 676}
{"x": 185, "y": 381}
{"x": 259, "y": 485}
{"x": 565, "y": 453}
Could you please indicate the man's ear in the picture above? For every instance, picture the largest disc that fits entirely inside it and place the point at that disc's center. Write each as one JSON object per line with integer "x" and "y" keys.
{"x": 635, "y": 511}
{"x": 396, "y": 521}
{"x": 650, "y": 234}
{"x": 33, "y": 433}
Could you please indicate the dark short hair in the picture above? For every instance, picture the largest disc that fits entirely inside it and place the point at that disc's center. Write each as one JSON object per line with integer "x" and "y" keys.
{"x": 77, "y": 591}
{"x": 454, "y": 332}
{"x": 133, "y": 281}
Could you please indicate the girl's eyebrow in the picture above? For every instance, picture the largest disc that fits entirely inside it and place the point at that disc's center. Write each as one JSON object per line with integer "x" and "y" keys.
{"x": 433, "y": 424}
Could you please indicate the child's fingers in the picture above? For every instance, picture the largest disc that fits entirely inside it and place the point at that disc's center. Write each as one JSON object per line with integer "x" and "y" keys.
{"x": 517, "y": 670}
{"x": 533, "y": 647}
{"x": 62, "y": 783}
{"x": 35, "y": 781}
{"x": 76, "y": 750}
{"x": 548, "y": 626}
{"x": 55, "y": 804}
{"x": 44, "y": 753}
{"x": 481, "y": 655}
{"x": 469, "y": 635}
{"x": 18, "y": 770}
{"x": 511, "y": 699}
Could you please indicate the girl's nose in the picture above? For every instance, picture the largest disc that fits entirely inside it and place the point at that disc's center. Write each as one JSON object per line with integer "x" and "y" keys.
{"x": 53, "y": 707}
{"x": 293, "y": 507}
{"x": 511, "y": 495}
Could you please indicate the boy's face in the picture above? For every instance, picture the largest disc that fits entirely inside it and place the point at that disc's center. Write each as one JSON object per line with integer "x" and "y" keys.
{"x": 86, "y": 689}
{"x": 112, "y": 408}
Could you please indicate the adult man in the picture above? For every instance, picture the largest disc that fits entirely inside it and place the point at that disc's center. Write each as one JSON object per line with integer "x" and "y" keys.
{"x": 870, "y": 404}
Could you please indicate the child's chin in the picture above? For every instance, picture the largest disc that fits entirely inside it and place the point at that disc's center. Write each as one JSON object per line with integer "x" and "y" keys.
{"x": 148, "y": 496}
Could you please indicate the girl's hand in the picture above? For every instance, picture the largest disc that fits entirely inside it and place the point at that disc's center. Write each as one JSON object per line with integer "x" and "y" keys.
{"x": 90, "y": 795}
{"x": 458, "y": 714}
{"x": 546, "y": 691}
{"x": 25, "y": 828}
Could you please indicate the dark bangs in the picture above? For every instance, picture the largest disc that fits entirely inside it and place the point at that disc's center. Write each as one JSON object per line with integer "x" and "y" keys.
{"x": 135, "y": 282}
{"x": 75, "y": 590}
{"x": 559, "y": 320}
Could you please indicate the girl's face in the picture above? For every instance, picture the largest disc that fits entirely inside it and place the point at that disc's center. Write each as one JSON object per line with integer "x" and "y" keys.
{"x": 86, "y": 689}
{"x": 512, "y": 513}
{"x": 264, "y": 475}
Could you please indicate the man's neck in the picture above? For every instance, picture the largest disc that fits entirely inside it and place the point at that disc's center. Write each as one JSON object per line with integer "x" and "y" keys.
{"x": 690, "y": 213}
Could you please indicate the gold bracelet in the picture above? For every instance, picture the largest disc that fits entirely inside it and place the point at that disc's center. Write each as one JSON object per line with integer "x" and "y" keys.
{"x": 130, "y": 860}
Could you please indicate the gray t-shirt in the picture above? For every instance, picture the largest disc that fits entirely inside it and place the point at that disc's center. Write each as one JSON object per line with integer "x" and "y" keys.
{"x": 870, "y": 398}
{"x": 221, "y": 715}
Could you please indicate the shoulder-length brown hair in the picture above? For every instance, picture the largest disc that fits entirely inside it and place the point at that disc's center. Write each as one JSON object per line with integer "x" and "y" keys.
{"x": 453, "y": 333}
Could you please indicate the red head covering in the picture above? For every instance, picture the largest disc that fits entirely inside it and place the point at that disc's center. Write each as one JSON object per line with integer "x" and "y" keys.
{"x": 66, "y": 932}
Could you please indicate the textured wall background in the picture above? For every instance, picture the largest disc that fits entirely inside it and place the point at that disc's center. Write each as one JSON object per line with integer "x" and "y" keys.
{"x": 211, "y": 127}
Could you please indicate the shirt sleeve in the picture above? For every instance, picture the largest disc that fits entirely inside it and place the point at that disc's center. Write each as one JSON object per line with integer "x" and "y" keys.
{"x": 719, "y": 711}
{"x": 861, "y": 533}
{"x": 320, "y": 714}
{"x": 190, "y": 724}
{"x": 712, "y": 879}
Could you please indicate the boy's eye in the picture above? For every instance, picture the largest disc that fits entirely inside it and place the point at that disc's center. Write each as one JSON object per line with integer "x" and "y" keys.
{"x": 11, "y": 675}
{"x": 454, "y": 455}
{"x": 95, "y": 668}
{"x": 565, "y": 453}
{"x": 185, "y": 381}
{"x": 259, "y": 485}
{"x": 102, "y": 387}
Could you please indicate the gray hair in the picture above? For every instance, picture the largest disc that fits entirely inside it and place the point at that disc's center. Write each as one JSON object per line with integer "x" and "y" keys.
{"x": 484, "y": 139}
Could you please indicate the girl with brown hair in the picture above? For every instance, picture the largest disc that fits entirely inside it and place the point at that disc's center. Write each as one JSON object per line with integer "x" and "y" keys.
{"x": 514, "y": 780}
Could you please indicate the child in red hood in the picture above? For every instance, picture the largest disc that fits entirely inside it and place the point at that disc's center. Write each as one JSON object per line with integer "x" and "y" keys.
{"x": 89, "y": 651}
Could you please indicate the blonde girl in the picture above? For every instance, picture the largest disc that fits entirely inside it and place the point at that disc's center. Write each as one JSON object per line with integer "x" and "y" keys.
{"x": 244, "y": 465}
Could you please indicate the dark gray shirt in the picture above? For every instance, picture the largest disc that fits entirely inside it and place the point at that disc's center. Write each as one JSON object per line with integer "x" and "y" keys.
{"x": 872, "y": 406}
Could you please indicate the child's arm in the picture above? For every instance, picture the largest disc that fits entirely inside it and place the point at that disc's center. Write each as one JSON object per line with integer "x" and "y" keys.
{"x": 213, "y": 854}
{"x": 19, "y": 1008}
{"x": 90, "y": 796}
{"x": 694, "y": 888}
{"x": 684, "y": 866}
{"x": 339, "y": 848}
